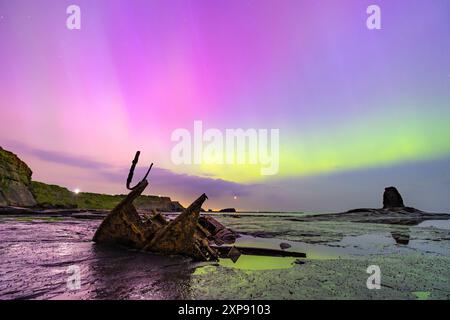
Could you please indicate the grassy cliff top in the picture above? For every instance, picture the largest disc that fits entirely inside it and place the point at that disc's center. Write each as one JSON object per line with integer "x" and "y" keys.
{"x": 48, "y": 195}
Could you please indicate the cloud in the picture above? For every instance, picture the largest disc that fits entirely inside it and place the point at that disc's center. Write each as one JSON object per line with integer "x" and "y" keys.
{"x": 159, "y": 178}
{"x": 58, "y": 157}
{"x": 164, "y": 179}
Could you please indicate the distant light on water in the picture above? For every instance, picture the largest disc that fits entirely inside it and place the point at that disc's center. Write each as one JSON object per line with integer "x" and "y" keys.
{"x": 235, "y": 197}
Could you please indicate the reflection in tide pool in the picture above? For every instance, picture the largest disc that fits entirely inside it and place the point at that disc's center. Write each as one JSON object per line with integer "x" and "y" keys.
{"x": 422, "y": 295}
{"x": 250, "y": 262}
{"x": 438, "y": 224}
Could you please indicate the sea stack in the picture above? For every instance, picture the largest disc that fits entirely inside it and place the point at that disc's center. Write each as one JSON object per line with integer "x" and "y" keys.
{"x": 392, "y": 198}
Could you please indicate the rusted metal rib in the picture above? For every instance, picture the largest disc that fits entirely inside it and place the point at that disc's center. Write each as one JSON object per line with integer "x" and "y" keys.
{"x": 131, "y": 172}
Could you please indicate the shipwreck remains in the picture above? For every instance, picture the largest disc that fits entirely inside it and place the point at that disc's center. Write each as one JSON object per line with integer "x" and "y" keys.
{"x": 187, "y": 234}
{"x": 200, "y": 237}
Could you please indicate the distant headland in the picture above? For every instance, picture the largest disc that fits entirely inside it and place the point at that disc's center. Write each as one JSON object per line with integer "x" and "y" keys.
{"x": 18, "y": 189}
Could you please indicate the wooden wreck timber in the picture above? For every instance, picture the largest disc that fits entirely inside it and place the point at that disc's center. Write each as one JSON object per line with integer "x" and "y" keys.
{"x": 183, "y": 235}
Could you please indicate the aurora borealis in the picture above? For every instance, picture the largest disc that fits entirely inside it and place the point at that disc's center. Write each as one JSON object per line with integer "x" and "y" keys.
{"x": 357, "y": 109}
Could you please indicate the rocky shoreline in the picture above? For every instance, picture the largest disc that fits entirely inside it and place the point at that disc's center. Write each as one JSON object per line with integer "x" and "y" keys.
{"x": 20, "y": 195}
{"x": 406, "y": 216}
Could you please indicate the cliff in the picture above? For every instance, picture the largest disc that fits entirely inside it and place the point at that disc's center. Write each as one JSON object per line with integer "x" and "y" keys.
{"x": 15, "y": 180}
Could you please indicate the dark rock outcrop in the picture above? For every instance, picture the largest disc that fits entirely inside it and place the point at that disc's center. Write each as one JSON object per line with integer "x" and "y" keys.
{"x": 393, "y": 212}
{"x": 234, "y": 254}
{"x": 392, "y": 198}
{"x": 176, "y": 206}
{"x": 15, "y": 180}
{"x": 285, "y": 245}
{"x": 401, "y": 237}
{"x": 164, "y": 204}
{"x": 2, "y": 200}
{"x": 228, "y": 210}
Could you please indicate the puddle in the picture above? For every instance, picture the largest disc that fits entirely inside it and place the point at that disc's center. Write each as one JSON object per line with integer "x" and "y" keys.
{"x": 259, "y": 262}
{"x": 251, "y": 262}
{"x": 376, "y": 243}
{"x": 312, "y": 251}
{"x": 373, "y": 241}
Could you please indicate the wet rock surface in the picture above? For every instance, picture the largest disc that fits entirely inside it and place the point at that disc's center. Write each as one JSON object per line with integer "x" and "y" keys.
{"x": 37, "y": 251}
{"x": 285, "y": 245}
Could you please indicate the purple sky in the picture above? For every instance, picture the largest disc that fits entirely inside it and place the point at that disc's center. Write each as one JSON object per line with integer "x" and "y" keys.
{"x": 357, "y": 109}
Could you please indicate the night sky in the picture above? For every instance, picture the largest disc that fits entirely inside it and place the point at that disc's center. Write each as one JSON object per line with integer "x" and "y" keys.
{"x": 357, "y": 109}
